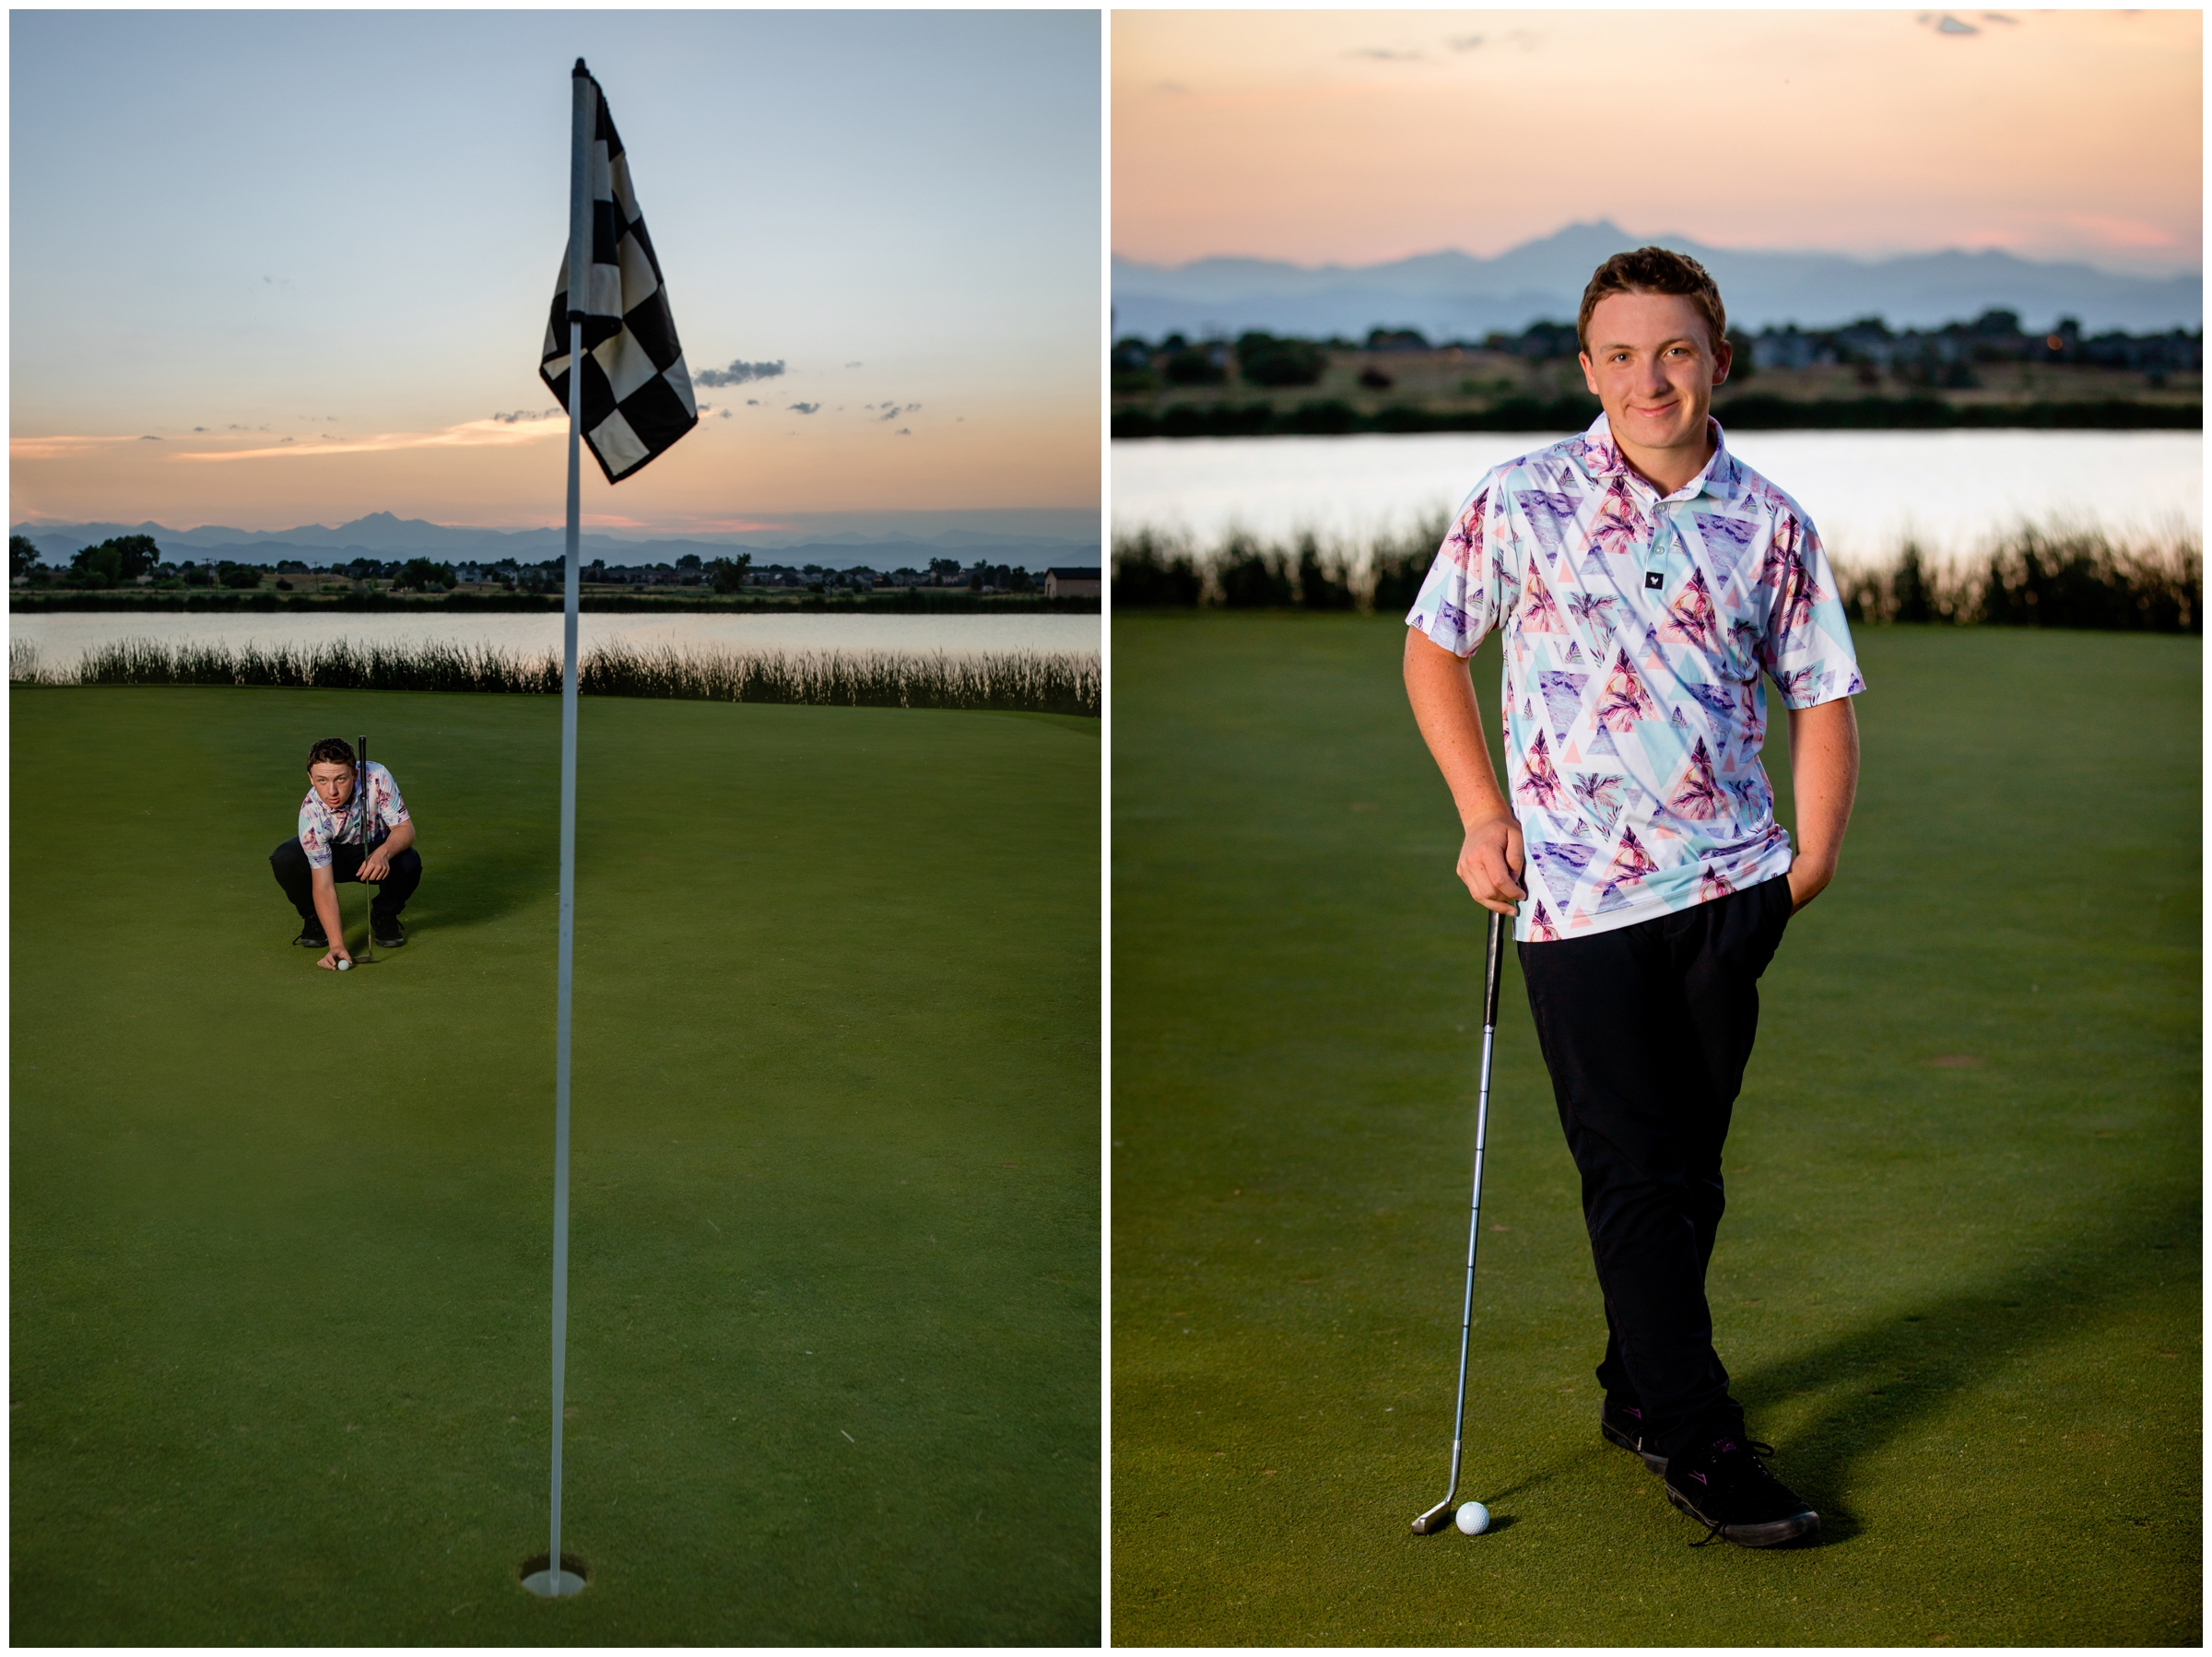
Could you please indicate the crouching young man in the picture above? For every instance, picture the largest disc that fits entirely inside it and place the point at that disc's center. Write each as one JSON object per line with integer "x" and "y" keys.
{"x": 328, "y": 850}
{"x": 1647, "y": 582}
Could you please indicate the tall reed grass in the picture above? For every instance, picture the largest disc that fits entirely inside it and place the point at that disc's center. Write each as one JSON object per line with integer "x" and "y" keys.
{"x": 1011, "y": 681}
{"x": 2030, "y": 575}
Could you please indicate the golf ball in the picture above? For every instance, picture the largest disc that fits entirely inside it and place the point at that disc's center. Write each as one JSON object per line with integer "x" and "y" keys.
{"x": 346, "y": 966}
{"x": 1473, "y": 1518}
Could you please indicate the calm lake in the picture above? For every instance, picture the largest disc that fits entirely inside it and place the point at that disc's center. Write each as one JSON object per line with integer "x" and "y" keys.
{"x": 1865, "y": 489}
{"x": 64, "y": 638}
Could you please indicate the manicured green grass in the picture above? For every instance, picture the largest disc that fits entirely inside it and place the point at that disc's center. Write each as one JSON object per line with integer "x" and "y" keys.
{"x": 1962, "y": 1299}
{"x": 281, "y": 1239}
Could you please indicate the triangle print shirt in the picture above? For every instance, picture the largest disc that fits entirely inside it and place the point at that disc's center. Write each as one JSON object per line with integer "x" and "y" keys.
{"x": 1638, "y": 628}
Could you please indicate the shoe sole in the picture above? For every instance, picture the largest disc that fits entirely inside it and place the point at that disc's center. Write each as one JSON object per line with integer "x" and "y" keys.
{"x": 1657, "y": 1463}
{"x": 1773, "y": 1533}
{"x": 390, "y": 942}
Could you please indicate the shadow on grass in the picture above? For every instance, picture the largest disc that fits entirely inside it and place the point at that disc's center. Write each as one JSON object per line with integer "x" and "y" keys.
{"x": 466, "y": 891}
{"x": 1878, "y": 1381}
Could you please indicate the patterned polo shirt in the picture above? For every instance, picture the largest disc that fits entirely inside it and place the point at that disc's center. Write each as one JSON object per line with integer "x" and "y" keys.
{"x": 320, "y": 829}
{"x": 1637, "y": 631}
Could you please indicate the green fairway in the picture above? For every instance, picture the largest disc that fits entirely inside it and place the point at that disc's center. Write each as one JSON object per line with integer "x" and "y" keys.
{"x": 282, "y": 1237}
{"x": 1957, "y": 1283}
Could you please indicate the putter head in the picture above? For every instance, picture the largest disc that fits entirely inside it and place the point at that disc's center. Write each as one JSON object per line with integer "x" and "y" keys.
{"x": 1438, "y": 1518}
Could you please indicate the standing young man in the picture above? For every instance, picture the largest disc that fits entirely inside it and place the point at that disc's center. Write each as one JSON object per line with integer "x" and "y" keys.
{"x": 328, "y": 850}
{"x": 1645, "y": 580}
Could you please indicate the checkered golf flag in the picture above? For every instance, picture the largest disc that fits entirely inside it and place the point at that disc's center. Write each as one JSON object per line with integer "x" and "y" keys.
{"x": 637, "y": 395}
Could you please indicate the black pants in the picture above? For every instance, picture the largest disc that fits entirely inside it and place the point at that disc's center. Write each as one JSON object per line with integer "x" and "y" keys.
{"x": 296, "y": 876}
{"x": 1646, "y": 1031}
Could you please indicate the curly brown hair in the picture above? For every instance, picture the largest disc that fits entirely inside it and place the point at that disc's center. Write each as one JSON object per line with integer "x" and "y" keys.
{"x": 1654, "y": 270}
{"x": 331, "y": 750}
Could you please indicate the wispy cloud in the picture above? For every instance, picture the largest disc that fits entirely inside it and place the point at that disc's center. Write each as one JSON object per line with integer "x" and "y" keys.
{"x": 739, "y": 373}
{"x": 1384, "y": 55}
{"x": 520, "y": 415}
{"x": 1944, "y": 23}
{"x": 60, "y": 446}
{"x": 1463, "y": 43}
{"x": 493, "y": 432}
{"x": 805, "y": 407}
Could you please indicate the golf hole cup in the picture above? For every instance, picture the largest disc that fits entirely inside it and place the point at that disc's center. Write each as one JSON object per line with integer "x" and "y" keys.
{"x": 1473, "y": 1519}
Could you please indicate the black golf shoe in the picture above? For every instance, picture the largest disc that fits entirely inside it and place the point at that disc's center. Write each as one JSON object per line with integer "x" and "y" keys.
{"x": 1622, "y": 1424}
{"x": 311, "y": 937}
{"x": 388, "y": 934}
{"x": 1724, "y": 1487}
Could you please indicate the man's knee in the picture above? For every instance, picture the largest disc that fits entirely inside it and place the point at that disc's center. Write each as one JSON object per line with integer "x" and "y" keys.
{"x": 289, "y": 856}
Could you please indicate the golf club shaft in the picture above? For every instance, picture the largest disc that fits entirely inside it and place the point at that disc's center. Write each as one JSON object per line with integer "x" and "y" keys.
{"x": 1435, "y": 1519}
{"x": 362, "y": 788}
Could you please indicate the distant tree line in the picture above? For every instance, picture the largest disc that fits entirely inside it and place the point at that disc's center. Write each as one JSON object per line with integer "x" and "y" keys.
{"x": 137, "y": 561}
{"x": 1941, "y": 357}
{"x": 1750, "y": 411}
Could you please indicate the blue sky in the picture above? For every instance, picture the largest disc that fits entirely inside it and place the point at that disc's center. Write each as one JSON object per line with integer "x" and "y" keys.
{"x": 343, "y": 228}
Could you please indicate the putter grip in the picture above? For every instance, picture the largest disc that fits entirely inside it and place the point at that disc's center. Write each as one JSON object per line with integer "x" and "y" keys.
{"x": 1496, "y": 970}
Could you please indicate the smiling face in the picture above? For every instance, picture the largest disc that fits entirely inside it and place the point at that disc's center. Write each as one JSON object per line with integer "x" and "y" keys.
{"x": 332, "y": 785}
{"x": 1653, "y": 362}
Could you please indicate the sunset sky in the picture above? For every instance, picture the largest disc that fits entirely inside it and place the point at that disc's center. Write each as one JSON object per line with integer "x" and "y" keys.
{"x": 1356, "y": 137}
{"x": 278, "y": 267}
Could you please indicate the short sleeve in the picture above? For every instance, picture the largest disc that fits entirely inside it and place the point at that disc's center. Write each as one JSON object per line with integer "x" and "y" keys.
{"x": 1807, "y": 644}
{"x": 1465, "y": 596}
{"x": 312, "y": 841}
{"x": 391, "y": 810}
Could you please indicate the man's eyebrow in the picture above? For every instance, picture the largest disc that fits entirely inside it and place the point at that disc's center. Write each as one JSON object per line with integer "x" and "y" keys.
{"x": 1622, "y": 345}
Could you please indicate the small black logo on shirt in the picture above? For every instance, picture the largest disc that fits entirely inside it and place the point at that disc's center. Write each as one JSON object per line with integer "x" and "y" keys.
{"x": 1654, "y": 579}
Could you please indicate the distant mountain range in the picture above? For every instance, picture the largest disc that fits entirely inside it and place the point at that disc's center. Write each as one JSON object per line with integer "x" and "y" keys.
{"x": 383, "y": 535}
{"x": 1455, "y": 295}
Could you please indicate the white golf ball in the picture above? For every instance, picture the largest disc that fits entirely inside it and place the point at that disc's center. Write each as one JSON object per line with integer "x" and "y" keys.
{"x": 1473, "y": 1518}
{"x": 346, "y": 966}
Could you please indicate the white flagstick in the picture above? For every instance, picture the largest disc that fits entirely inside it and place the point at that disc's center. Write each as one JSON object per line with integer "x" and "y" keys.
{"x": 553, "y": 1581}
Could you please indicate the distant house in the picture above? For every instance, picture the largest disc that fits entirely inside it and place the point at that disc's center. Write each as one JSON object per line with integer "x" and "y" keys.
{"x": 1073, "y": 582}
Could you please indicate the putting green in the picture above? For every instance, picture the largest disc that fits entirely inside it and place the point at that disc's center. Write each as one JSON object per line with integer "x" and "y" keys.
{"x": 1958, "y": 1285}
{"x": 282, "y": 1237}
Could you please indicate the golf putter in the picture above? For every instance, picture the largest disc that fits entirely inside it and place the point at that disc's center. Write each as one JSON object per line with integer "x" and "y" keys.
{"x": 1440, "y": 1517}
{"x": 360, "y": 793}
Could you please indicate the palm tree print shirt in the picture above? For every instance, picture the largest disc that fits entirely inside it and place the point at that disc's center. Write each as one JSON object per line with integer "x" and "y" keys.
{"x": 1639, "y": 630}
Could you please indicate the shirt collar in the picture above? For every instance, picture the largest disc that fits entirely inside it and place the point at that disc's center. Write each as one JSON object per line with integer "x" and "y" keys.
{"x": 1603, "y": 459}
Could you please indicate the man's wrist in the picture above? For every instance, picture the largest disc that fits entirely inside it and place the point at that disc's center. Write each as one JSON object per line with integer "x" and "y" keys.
{"x": 1497, "y": 811}
{"x": 1821, "y": 867}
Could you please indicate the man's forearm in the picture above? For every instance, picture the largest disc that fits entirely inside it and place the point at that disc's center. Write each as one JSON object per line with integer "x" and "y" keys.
{"x": 1823, "y": 775}
{"x": 326, "y": 905}
{"x": 1450, "y": 716}
{"x": 377, "y": 865}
